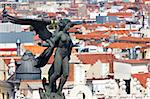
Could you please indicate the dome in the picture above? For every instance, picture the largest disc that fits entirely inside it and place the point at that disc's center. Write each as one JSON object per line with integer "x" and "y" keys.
{"x": 25, "y": 69}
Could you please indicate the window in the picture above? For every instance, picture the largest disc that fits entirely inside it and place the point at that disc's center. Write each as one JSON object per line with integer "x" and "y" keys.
{"x": 85, "y": 50}
{"x": 3, "y": 96}
{"x": 4, "y": 76}
{"x": 7, "y": 95}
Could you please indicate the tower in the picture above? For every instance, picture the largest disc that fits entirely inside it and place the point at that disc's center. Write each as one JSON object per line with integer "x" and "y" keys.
{"x": 18, "y": 43}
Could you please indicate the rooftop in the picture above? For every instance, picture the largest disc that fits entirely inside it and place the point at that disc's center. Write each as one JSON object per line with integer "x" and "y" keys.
{"x": 142, "y": 78}
{"x": 121, "y": 14}
{"x": 35, "y": 49}
{"x": 91, "y": 36}
{"x": 25, "y": 37}
{"x": 123, "y": 45}
{"x": 93, "y": 58}
{"x": 134, "y": 61}
{"x": 134, "y": 39}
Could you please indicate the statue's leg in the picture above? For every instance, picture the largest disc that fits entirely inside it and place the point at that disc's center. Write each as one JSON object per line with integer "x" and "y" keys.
{"x": 50, "y": 72}
{"x": 65, "y": 73}
{"x": 44, "y": 83}
{"x": 57, "y": 70}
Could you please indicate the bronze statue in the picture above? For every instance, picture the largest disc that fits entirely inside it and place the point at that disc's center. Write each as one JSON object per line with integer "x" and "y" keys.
{"x": 62, "y": 42}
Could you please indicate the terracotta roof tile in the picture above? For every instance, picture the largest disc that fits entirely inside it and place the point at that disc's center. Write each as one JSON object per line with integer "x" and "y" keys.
{"x": 135, "y": 61}
{"x": 122, "y": 45}
{"x": 142, "y": 78}
{"x": 110, "y": 24}
{"x": 135, "y": 39}
{"x": 77, "y": 26}
{"x": 51, "y": 14}
{"x": 98, "y": 32}
{"x": 90, "y": 26}
{"x": 93, "y": 26}
{"x": 93, "y": 58}
{"x": 34, "y": 49}
{"x": 7, "y": 59}
{"x": 121, "y": 14}
{"x": 91, "y": 36}
{"x": 71, "y": 73}
{"x": 121, "y": 32}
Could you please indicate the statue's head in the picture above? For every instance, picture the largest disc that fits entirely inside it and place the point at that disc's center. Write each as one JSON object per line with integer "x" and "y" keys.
{"x": 65, "y": 24}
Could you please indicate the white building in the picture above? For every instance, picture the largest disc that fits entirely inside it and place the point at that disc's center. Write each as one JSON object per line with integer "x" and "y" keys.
{"x": 123, "y": 69}
{"x": 6, "y": 90}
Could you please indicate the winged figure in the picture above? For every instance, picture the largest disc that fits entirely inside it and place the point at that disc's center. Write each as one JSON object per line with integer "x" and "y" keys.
{"x": 39, "y": 25}
{"x": 61, "y": 40}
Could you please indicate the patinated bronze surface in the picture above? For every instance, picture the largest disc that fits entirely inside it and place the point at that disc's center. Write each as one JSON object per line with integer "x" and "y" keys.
{"x": 62, "y": 42}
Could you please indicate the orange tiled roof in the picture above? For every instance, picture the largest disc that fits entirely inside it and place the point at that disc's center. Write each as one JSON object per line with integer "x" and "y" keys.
{"x": 90, "y": 26}
{"x": 142, "y": 77}
{"x": 34, "y": 49}
{"x": 51, "y": 14}
{"x": 91, "y": 36}
{"x": 7, "y": 59}
{"x": 122, "y": 45}
{"x": 98, "y": 32}
{"x": 93, "y": 58}
{"x": 8, "y": 55}
{"x": 71, "y": 72}
{"x": 110, "y": 24}
{"x": 135, "y": 39}
{"x": 134, "y": 61}
{"x": 121, "y": 14}
{"x": 121, "y": 32}
{"x": 93, "y": 26}
{"x": 77, "y": 26}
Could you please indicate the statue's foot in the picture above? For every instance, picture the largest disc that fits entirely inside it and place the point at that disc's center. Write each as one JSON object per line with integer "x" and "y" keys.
{"x": 53, "y": 96}
{"x": 56, "y": 96}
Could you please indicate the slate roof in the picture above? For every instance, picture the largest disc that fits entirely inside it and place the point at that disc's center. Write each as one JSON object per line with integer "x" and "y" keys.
{"x": 11, "y": 37}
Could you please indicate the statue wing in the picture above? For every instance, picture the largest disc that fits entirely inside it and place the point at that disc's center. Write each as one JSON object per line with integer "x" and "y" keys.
{"x": 39, "y": 25}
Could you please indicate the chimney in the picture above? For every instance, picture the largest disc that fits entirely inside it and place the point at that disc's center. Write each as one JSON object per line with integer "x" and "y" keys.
{"x": 18, "y": 43}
